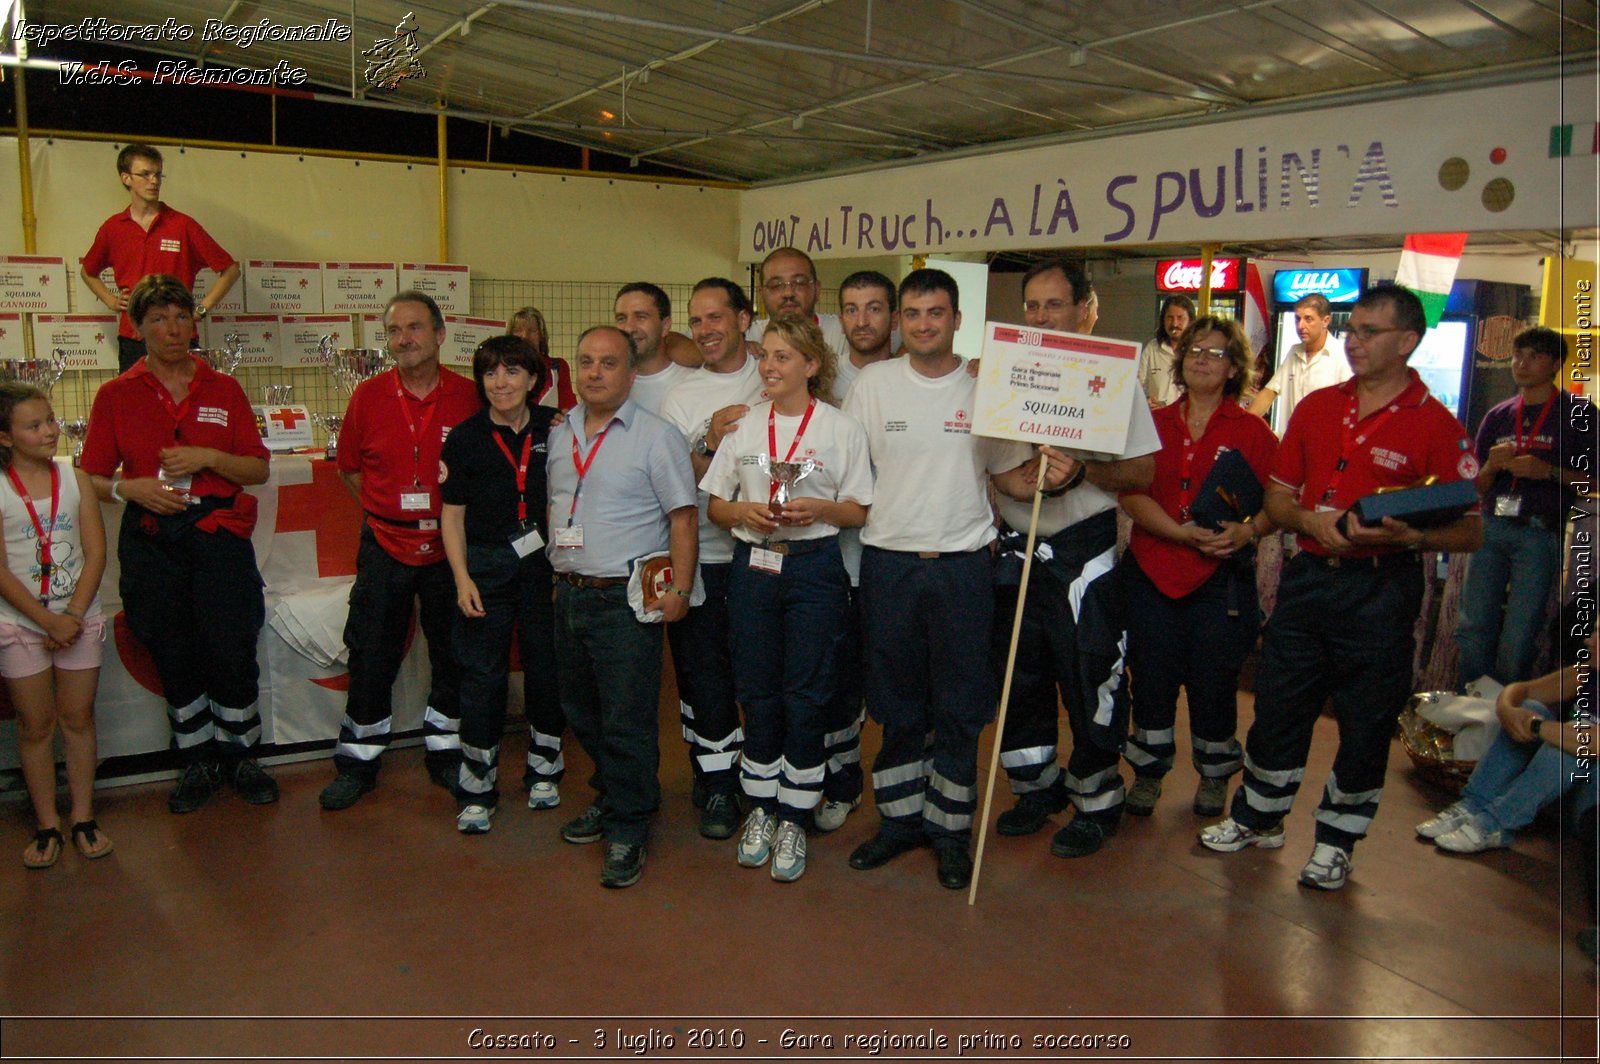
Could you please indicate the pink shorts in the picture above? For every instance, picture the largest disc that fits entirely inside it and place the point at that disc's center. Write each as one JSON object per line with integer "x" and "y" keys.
{"x": 22, "y": 651}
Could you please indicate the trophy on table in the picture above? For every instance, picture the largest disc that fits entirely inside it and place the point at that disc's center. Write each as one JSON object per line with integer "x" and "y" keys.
{"x": 42, "y": 373}
{"x": 349, "y": 366}
{"x": 330, "y": 424}
{"x": 277, "y": 394}
{"x": 785, "y": 475}
{"x": 224, "y": 359}
{"x": 77, "y": 430}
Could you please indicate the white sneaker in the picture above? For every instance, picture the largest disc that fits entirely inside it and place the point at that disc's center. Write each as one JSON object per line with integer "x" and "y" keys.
{"x": 830, "y": 815}
{"x": 1230, "y": 836}
{"x": 474, "y": 820}
{"x": 1327, "y": 869}
{"x": 789, "y": 852}
{"x": 543, "y": 795}
{"x": 1471, "y": 838}
{"x": 1446, "y": 822}
{"x": 755, "y": 843}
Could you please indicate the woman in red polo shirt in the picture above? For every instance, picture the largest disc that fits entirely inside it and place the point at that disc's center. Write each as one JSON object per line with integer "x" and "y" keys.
{"x": 1193, "y": 615}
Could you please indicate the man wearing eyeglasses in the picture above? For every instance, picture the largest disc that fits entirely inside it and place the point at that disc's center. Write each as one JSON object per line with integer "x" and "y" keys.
{"x": 1349, "y": 601}
{"x": 150, "y": 237}
{"x": 789, "y": 286}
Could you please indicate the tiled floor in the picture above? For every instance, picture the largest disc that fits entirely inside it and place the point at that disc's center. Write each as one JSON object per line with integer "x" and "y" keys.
{"x": 372, "y": 920}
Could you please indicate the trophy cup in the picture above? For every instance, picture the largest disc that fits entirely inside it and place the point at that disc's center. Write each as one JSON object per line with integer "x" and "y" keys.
{"x": 785, "y": 475}
{"x": 331, "y": 424}
{"x": 352, "y": 365}
{"x": 77, "y": 430}
{"x": 277, "y": 394}
{"x": 224, "y": 359}
{"x": 42, "y": 373}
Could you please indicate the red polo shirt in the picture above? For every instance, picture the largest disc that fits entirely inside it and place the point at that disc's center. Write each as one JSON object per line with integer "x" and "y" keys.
{"x": 1412, "y": 437}
{"x": 393, "y": 439}
{"x": 175, "y": 244}
{"x": 1174, "y": 568}
{"x": 133, "y": 420}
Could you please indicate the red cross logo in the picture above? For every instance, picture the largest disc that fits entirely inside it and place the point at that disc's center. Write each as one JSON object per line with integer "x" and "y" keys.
{"x": 266, "y": 336}
{"x": 452, "y": 286}
{"x": 1097, "y": 385}
{"x": 304, "y": 282}
{"x": 325, "y": 508}
{"x": 99, "y": 337}
{"x": 288, "y": 418}
{"x": 377, "y": 282}
{"x": 961, "y": 415}
{"x": 2, "y": 334}
{"x": 45, "y": 280}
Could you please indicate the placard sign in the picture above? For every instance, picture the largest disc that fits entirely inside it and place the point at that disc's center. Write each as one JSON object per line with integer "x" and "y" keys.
{"x": 90, "y": 340}
{"x": 302, "y": 335}
{"x": 33, "y": 282}
{"x": 1072, "y": 391}
{"x": 372, "y": 332}
{"x": 11, "y": 345}
{"x": 356, "y": 286}
{"x": 232, "y": 303}
{"x": 450, "y": 285}
{"x": 283, "y": 428}
{"x": 463, "y": 335}
{"x": 258, "y": 335}
{"x": 282, "y": 287}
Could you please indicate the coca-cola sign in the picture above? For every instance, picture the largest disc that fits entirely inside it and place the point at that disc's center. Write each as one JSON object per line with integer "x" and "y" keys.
{"x": 1183, "y": 275}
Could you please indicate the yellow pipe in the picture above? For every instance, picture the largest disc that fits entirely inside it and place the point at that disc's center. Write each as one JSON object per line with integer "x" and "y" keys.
{"x": 30, "y": 224}
{"x": 444, "y": 191}
{"x": 1206, "y": 251}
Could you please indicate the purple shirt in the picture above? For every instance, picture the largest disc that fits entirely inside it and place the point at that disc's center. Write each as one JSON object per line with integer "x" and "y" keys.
{"x": 1565, "y": 439}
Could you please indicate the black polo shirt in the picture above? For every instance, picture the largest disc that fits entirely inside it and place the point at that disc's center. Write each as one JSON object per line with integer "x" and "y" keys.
{"x": 474, "y": 472}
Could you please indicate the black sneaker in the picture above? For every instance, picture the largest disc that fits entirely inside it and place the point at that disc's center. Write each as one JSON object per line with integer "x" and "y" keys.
{"x": 346, "y": 789}
{"x": 1085, "y": 835}
{"x": 247, "y": 777}
{"x": 720, "y": 818}
{"x": 955, "y": 867}
{"x": 881, "y": 849}
{"x": 444, "y": 774}
{"x": 585, "y": 828}
{"x": 1033, "y": 810}
{"x": 624, "y": 865}
{"x": 699, "y": 793}
{"x": 198, "y": 783}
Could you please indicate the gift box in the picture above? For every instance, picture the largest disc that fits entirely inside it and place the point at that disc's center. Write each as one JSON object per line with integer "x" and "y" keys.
{"x": 1424, "y": 506}
{"x": 1231, "y": 492}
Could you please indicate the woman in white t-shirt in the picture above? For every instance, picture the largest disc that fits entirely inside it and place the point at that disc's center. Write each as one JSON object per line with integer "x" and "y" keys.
{"x": 789, "y": 593}
{"x": 54, "y": 553}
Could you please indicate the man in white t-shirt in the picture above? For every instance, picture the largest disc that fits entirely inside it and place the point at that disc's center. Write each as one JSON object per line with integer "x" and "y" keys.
{"x": 1072, "y": 635}
{"x": 644, "y": 312}
{"x": 927, "y": 591}
{"x": 706, "y": 406}
{"x": 1317, "y": 361}
{"x": 789, "y": 286}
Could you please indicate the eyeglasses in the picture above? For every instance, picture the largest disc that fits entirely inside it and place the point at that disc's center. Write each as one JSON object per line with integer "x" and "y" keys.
{"x": 1052, "y": 306}
{"x": 149, "y": 175}
{"x": 1214, "y": 353}
{"x": 778, "y": 284}
{"x": 1367, "y": 333}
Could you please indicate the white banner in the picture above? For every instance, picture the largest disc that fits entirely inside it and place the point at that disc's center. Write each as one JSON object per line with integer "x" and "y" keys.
{"x": 232, "y": 303}
{"x": 462, "y": 337}
{"x": 257, "y": 333}
{"x": 33, "y": 282}
{"x": 1071, "y": 391}
{"x": 449, "y": 284}
{"x": 11, "y": 345}
{"x": 90, "y": 340}
{"x": 283, "y": 287}
{"x": 1482, "y": 159}
{"x": 284, "y": 428}
{"x": 302, "y": 333}
{"x": 372, "y": 332}
{"x": 350, "y": 287}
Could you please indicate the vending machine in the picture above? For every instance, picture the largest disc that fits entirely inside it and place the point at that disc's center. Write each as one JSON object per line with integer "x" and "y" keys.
{"x": 1465, "y": 360}
{"x": 1340, "y": 287}
{"x": 1181, "y": 277}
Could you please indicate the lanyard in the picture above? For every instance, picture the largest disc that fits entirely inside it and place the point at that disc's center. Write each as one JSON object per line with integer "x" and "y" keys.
{"x": 45, "y": 568}
{"x": 1186, "y": 463}
{"x": 1351, "y": 443}
{"x": 522, "y": 472}
{"x": 1525, "y": 446}
{"x": 582, "y": 464}
{"x": 175, "y": 409}
{"x": 772, "y": 439}
{"x": 418, "y": 433}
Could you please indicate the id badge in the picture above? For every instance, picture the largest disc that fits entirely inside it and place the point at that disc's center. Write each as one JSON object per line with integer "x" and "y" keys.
{"x": 526, "y": 540}
{"x": 415, "y": 500}
{"x": 767, "y": 561}
{"x": 569, "y": 538}
{"x": 1508, "y": 505}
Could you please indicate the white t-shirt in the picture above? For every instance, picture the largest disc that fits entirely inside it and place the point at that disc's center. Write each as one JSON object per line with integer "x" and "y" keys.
{"x": 834, "y": 441}
{"x": 1298, "y": 376}
{"x": 1086, "y": 500}
{"x": 931, "y": 491}
{"x": 22, "y": 546}
{"x": 1158, "y": 372}
{"x": 688, "y": 407}
{"x": 649, "y": 392}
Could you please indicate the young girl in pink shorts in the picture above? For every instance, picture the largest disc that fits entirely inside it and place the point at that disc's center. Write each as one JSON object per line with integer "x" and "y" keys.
{"x": 52, "y": 555}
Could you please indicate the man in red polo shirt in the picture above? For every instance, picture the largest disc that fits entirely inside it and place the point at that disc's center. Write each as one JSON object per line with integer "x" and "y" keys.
{"x": 150, "y": 237}
{"x": 1349, "y": 600}
{"x": 389, "y": 450}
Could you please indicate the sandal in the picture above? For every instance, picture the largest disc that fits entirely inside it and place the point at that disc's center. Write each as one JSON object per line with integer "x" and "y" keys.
{"x": 44, "y": 850}
{"x": 86, "y": 835}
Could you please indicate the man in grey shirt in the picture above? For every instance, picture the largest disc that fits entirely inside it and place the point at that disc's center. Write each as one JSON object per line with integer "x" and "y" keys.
{"x": 621, "y": 487}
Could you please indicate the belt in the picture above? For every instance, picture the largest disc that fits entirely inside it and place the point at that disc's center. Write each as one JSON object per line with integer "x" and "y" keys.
{"x": 1399, "y": 560}
{"x": 1548, "y": 524}
{"x": 592, "y": 582}
{"x": 799, "y": 546}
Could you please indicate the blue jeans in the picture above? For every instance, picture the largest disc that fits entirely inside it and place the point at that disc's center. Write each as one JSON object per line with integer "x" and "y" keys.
{"x": 1515, "y": 780}
{"x": 609, "y": 675}
{"x": 1498, "y": 626}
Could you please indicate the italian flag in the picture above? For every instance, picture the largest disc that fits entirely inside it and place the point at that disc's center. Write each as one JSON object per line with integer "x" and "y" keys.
{"x": 1428, "y": 267}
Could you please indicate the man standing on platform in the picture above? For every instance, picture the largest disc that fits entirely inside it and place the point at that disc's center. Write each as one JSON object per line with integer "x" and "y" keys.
{"x": 389, "y": 450}
{"x": 1073, "y": 637}
{"x": 1317, "y": 361}
{"x": 927, "y": 591}
{"x": 644, "y": 312}
{"x": 1349, "y": 600}
{"x": 621, "y": 488}
{"x": 150, "y": 237}
{"x": 705, "y": 407}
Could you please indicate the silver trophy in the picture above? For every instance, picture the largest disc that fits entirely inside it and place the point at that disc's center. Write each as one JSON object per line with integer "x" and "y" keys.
{"x": 785, "y": 475}
{"x": 352, "y": 365}
{"x": 77, "y": 430}
{"x": 42, "y": 373}
{"x": 277, "y": 394}
{"x": 331, "y": 424}
{"x": 224, "y": 359}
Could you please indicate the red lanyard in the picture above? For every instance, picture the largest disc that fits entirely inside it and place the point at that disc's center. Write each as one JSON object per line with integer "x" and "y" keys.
{"x": 1525, "y": 446}
{"x": 582, "y": 465}
{"x": 522, "y": 472}
{"x": 45, "y": 568}
{"x": 1186, "y": 463}
{"x": 1352, "y": 443}
{"x": 418, "y": 434}
{"x": 772, "y": 439}
{"x": 174, "y": 408}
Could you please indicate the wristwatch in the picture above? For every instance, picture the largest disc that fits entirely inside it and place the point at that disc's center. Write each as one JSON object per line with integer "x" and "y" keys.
{"x": 703, "y": 449}
{"x": 676, "y": 590}
{"x": 1534, "y": 725}
{"x": 200, "y": 311}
